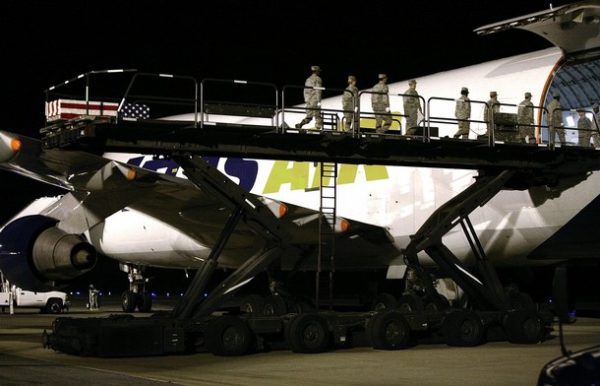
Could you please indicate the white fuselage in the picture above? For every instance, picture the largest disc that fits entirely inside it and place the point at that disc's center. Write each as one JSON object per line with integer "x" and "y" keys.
{"x": 399, "y": 199}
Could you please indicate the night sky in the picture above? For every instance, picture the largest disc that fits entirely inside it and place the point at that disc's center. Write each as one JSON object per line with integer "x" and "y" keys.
{"x": 44, "y": 42}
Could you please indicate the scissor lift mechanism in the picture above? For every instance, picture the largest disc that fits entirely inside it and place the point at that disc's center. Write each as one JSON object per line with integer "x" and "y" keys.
{"x": 193, "y": 316}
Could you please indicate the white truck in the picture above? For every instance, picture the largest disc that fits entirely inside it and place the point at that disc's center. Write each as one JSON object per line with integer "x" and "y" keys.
{"x": 53, "y": 302}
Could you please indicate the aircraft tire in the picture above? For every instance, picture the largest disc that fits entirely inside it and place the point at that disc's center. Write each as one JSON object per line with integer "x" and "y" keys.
{"x": 308, "y": 333}
{"x": 228, "y": 335}
{"x": 388, "y": 330}
{"x": 463, "y": 328}
{"x": 524, "y": 326}
{"x": 129, "y": 301}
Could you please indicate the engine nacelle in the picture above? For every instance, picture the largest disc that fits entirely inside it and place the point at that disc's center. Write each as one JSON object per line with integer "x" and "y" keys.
{"x": 34, "y": 253}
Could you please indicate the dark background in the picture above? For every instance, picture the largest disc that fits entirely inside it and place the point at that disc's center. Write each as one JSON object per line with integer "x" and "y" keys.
{"x": 45, "y": 42}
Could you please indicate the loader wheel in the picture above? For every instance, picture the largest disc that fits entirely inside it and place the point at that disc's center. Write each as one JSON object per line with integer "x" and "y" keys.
{"x": 128, "y": 301}
{"x": 252, "y": 304}
{"x": 274, "y": 305}
{"x": 308, "y": 333}
{"x": 524, "y": 326}
{"x": 410, "y": 302}
{"x": 438, "y": 303}
{"x": 389, "y": 330}
{"x": 228, "y": 335}
{"x": 463, "y": 328}
{"x": 384, "y": 301}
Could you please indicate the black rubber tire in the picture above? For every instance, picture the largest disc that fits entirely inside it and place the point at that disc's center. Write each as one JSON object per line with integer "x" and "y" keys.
{"x": 389, "y": 330}
{"x": 524, "y": 326}
{"x": 228, "y": 335}
{"x": 252, "y": 304}
{"x": 308, "y": 333}
{"x": 129, "y": 301}
{"x": 274, "y": 305}
{"x": 410, "y": 302}
{"x": 384, "y": 301}
{"x": 145, "y": 302}
{"x": 463, "y": 328}
{"x": 54, "y": 306}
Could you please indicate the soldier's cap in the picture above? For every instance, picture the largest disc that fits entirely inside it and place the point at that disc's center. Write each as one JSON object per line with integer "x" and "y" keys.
{"x": 315, "y": 68}
{"x": 493, "y": 93}
{"x": 581, "y": 110}
{"x": 412, "y": 81}
{"x": 351, "y": 78}
{"x": 556, "y": 94}
{"x": 527, "y": 94}
{"x": 464, "y": 89}
{"x": 382, "y": 76}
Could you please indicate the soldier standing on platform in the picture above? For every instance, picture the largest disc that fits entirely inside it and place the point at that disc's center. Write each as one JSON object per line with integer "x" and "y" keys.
{"x": 596, "y": 126}
{"x": 312, "y": 97}
{"x": 492, "y": 107}
{"x": 555, "y": 122}
{"x": 380, "y": 101}
{"x": 349, "y": 104}
{"x": 584, "y": 127}
{"x": 462, "y": 112}
{"x": 412, "y": 107}
{"x": 525, "y": 120}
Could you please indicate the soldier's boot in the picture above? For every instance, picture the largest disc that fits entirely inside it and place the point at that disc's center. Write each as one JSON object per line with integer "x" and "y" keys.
{"x": 302, "y": 123}
{"x": 319, "y": 124}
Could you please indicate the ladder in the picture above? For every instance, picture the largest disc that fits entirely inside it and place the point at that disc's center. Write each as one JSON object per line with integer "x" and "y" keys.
{"x": 327, "y": 224}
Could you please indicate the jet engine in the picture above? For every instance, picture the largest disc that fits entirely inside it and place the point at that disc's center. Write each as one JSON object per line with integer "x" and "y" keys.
{"x": 35, "y": 254}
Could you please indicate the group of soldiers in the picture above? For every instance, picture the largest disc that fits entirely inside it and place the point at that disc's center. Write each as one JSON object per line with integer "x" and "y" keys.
{"x": 525, "y": 122}
{"x": 380, "y": 104}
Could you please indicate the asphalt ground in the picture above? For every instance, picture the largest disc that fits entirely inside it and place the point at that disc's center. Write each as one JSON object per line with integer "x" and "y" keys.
{"x": 23, "y": 360}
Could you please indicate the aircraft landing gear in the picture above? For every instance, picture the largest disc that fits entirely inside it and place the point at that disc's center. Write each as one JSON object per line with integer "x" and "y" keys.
{"x": 136, "y": 296}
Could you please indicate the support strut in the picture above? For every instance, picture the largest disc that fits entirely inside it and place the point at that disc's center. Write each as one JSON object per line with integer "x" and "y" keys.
{"x": 245, "y": 207}
{"x": 484, "y": 290}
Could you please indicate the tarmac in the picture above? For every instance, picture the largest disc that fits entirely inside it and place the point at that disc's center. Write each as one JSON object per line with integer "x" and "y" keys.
{"x": 23, "y": 360}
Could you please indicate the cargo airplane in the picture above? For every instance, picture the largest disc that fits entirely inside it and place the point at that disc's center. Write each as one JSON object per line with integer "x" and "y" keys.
{"x": 142, "y": 211}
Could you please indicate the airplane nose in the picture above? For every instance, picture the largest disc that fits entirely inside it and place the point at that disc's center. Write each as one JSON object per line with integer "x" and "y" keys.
{"x": 9, "y": 146}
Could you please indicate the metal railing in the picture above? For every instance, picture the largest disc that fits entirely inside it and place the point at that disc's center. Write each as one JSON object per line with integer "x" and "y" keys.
{"x": 276, "y": 109}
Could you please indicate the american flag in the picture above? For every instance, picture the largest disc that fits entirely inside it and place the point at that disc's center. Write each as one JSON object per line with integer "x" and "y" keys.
{"x": 135, "y": 111}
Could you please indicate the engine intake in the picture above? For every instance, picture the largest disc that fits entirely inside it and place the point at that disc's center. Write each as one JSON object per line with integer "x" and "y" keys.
{"x": 57, "y": 255}
{"x": 34, "y": 253}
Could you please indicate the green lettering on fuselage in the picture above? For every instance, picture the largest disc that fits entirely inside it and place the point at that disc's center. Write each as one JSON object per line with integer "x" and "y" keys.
{"x": 297, "y": 175}
{"x": 347, "y": 173}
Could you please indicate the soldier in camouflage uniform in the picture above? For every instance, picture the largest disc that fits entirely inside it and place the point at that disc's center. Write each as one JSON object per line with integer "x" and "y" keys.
{"x": 492, "y": 107}
{"x": 380, "y": 101}
{"x": 596, "y": 126}
{"x": 312, "y": 98}
{"x": 584, "y": 127}
{"x": 349, "y": 104}
{"x": 525, "y": 120}
{"x": 555, "y": 122}
{"x": 412, "y": 106}
{"x": 463, "y": 111}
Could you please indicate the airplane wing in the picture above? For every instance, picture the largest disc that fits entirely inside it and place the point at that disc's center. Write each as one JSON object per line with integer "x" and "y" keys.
{"x": 99, "y": 187}
{"x": 573, "y": 28}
